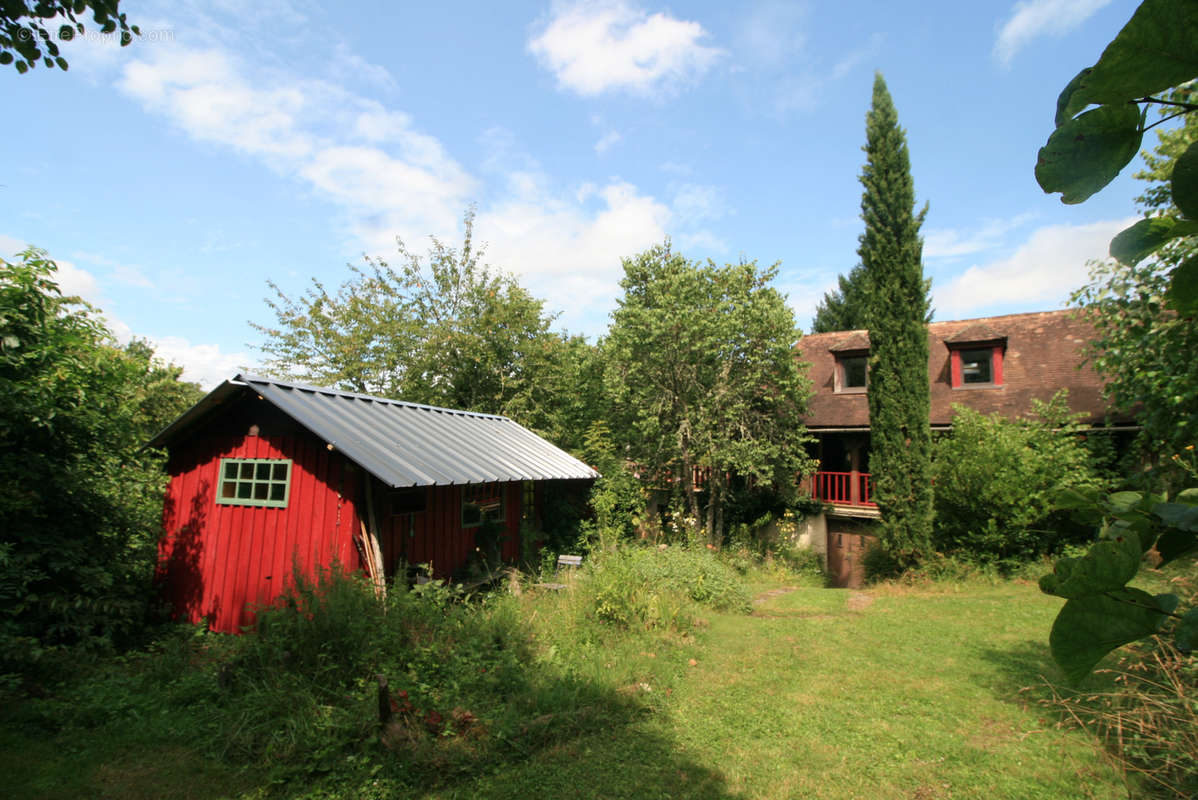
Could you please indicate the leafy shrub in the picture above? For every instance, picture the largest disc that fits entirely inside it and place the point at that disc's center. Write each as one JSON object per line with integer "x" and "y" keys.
{"x": 653, "y": 587}
{"x": 996, "y": 480}
{"x": 80, "y": 501}
{"x": 617, "y": 498}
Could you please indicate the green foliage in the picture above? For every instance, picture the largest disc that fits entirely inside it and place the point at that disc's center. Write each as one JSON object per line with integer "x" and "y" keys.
{"x": 997, "y": 481}
{"x": 1147, "y": 719}
{"x": 1153, "y": 53}
{"x": 1102, "y": 613}
{"x": 25, "y": 40}
{"x": 1142, "y": 347}
{"x": 701, "y": 374}
{"x": 617, "y": 497}
{"x": 80, "y": 501}
{"x": 843, "y": 308}
{"x": 891, "y": 251}
{"x": 653, "y": 587}
{"x": 1145, "y": 353}
{"x": 446, "y": 330}
{"x": 621, "y": 712}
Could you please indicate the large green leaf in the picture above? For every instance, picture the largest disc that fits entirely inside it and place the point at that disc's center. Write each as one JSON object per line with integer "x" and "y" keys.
{"x": 1182, "y": 294}
{"x": 1183, "y": 516}
{"x": 1154, "y": 51}
{"x": 1108, "y": 564}
{"x": 1174, "y": 544}
{"x": 1184, "y": 182}
{"x": 1132, "y": 245}
{"x": 1072, "y": 99}
{"x": 1090, "y": 627}
{"x": 1086, "y": 153}
{"x": 1185, "y": 635}
{"x": 1084, "y": 504}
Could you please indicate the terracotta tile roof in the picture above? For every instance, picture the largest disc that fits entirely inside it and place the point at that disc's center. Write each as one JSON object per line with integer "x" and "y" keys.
{"x": 1043, "y": 351}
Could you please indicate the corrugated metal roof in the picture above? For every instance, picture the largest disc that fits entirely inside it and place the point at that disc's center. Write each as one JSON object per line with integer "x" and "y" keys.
{"x": 405, "y": 444}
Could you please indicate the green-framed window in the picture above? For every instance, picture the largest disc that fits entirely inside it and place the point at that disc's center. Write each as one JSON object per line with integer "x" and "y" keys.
{"x": 254, "y": 482}
{"x": 481, "y": 502}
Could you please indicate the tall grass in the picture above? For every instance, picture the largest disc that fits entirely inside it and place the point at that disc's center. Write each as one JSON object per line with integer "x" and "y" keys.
{"x": 474, "y": 680}
{"x": 1146, "y": 716}
{"x": 659, "y": 587}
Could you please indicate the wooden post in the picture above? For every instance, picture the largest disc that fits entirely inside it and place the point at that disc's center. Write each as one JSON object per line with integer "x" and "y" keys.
{"x": 384, "y": 701}
{"x": 373, "y": 549}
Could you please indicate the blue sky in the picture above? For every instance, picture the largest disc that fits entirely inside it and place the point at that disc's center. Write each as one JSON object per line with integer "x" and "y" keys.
{"x": 239, "y": 142}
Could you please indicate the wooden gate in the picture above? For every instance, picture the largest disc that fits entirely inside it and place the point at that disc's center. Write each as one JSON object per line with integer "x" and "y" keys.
{"x": 846, "y": 558}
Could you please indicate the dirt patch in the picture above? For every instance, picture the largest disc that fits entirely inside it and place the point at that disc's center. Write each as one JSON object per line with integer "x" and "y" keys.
{"x": 765, "y": 597}
{"x": 858, "y": 601}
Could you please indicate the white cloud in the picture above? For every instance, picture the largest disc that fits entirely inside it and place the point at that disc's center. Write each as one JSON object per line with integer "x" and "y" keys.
{"x": 1031, "y": 19}
{"x": 567, "y": 254}
{"x": 593, "y": 48}
{"x": 952, "y": 243}
{"x": 608, "y": 140}
{"x": 389, "y": 178}
{"x": 854, "y": 58}
{"x": 694, "y": 204}
{"x": 72, "y": 281}
{"x": 805, "y": 290}
{"x": 1039, "y": 274}
{"x": 205, "y": 364}
{"x": 772, "y": 34}
{"x": 369, "y": 160}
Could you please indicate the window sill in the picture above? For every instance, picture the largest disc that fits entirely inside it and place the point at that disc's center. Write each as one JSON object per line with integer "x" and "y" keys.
{"x": 967, "y": 386}
{"x": 850, "y": 390}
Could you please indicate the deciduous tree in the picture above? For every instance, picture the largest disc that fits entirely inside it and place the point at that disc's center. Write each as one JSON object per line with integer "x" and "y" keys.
{"x": 702, "y": 374}
{"x": 445, "y": 329}
{"x": 1145, "y": 348}
{"x": 80, "y": 500}
{"x": 26, "y": 41}
{"x": 1156, "y": 52}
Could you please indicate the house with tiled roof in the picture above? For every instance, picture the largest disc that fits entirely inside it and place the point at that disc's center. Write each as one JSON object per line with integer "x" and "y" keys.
{"x": 992, "y": 365}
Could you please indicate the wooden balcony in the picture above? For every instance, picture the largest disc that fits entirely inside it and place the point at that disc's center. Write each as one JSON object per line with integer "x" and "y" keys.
{"x": 844, "y": 490}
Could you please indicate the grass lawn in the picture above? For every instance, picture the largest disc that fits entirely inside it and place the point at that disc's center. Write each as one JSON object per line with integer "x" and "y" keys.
{"x": 827, "y": 693}
{"x": 820, "y": 693}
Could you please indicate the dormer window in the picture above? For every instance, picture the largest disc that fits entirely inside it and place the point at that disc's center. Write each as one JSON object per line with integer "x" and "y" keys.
{"x": 975, "y": 356}
{"x": 852, "y": 363}
{"x": 852, "y": 373}
{"x": 977, "y": 366}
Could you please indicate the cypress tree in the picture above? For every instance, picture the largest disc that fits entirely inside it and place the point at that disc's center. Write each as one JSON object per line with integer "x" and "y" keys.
{"x": 896, "y": 311}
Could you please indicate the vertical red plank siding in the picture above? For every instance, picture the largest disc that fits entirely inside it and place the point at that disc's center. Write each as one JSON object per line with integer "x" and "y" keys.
{"x": 997, "y": 361}
{"x": 512, "y": 505}
{"x": 218, "y": 561}
{"x": 955, "y": 362}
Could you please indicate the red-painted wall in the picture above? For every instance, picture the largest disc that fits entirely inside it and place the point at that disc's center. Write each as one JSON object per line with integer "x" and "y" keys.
{"x": 219, "y": 561}
{"x": 222, "y": 561}
{"x": 436, "y": 536}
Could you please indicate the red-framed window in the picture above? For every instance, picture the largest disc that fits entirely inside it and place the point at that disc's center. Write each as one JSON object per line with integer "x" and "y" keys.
{"x": 976, "y": 366}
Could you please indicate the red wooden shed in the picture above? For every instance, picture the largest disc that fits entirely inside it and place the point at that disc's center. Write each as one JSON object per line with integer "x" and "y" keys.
{"x": 268, "y": 476}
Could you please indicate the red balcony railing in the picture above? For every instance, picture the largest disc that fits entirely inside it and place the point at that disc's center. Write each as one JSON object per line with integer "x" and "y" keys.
{"x": 843, "y": 488}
